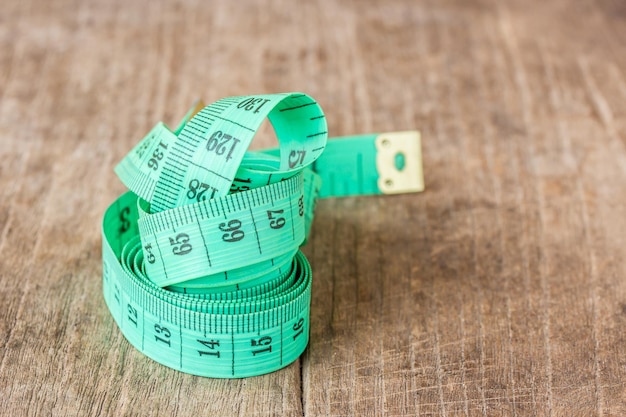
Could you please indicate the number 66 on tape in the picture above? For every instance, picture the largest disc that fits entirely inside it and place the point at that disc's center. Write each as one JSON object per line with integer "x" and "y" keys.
{"x": 201, "y": 264}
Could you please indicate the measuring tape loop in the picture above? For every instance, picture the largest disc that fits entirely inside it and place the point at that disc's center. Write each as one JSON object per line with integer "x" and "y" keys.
{"x": 201, "y": 264}
{"x": 202, "y": 161}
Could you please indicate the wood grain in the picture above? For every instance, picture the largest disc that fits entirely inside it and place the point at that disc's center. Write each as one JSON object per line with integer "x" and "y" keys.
{"x": 499, "y": 291}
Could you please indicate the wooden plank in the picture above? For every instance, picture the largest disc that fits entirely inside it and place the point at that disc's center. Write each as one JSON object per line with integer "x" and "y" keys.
{"x": 498, "y": 291}
{"x": 506, "y": 318}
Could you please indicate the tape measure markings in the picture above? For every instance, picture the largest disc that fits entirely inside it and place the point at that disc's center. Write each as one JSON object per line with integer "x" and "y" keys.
{"x": 188, "y": 222}
{"x": 169, "y": 189}
{"x": 181, "y": 163}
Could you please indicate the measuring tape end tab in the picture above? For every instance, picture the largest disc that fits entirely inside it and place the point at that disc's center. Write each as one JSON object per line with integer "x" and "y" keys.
{"x": 399, "y": 162}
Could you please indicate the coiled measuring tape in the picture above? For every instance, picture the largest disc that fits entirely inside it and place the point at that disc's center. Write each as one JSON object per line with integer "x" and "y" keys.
{"x": 201, "y": 264}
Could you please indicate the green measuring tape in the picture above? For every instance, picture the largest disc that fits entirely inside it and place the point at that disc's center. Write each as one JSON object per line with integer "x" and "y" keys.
{"x": 201, "y": 264}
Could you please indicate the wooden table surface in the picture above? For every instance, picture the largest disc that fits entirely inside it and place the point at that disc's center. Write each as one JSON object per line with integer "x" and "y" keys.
{"x": 499, "y": 291}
